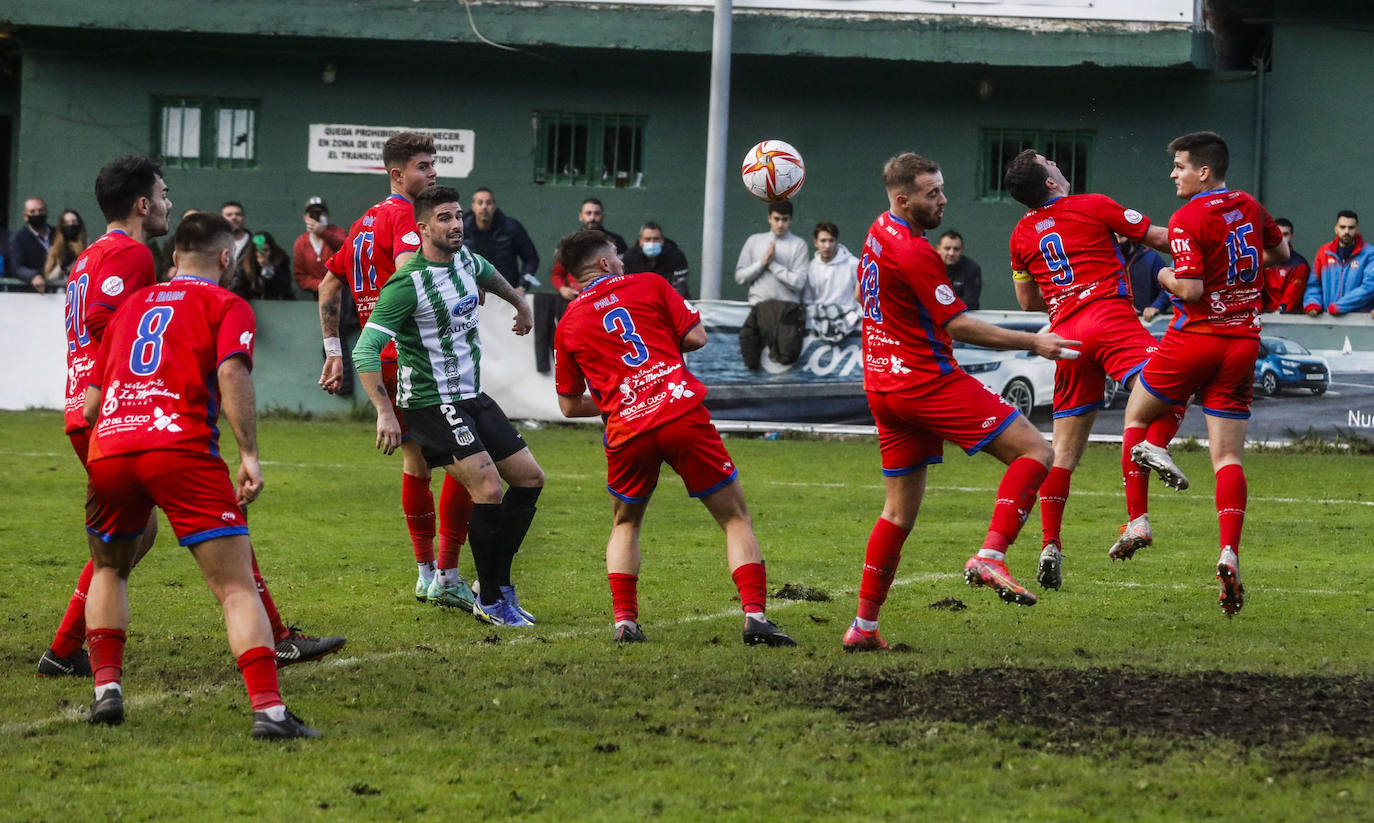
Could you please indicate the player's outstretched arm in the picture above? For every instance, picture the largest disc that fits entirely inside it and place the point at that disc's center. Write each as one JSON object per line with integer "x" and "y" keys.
{"x": 524, "y": 316}
{"x": 978, "y": 333}
{"x": 1157, "y": 238}
{"x": 331, "y": 298}
{"x": 240, "y": 409}
{"x": 1189, "y": 290}
{"x": 581, "y": 406}
{"x": 694, "y": 339}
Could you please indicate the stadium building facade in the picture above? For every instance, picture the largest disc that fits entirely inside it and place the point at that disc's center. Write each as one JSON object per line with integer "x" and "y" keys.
{"x": 271, "y": 103}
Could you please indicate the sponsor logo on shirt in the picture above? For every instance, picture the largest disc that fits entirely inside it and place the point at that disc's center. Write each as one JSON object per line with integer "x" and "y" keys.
{"x": 111, "y": 403}
{"x": 944, "y": 294}
{"x": 897, "y": 366}
{"x": 113, "y": 285}
{"x": 411, "y": 238}
{"x": 163, "y": 421}
{"x": 1132, "y": 216}
{"x": 465, "y": 305}
{"x": 246, "y": 339}
{"x": 680, "y": 390}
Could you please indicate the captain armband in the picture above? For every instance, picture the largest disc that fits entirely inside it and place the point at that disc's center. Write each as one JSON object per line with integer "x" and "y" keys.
{"x": 1021, "y": 276}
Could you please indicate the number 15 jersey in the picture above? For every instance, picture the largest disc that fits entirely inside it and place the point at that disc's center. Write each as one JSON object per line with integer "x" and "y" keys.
{"x": 621, "y": 338}
{"x": 1219, "y": 237}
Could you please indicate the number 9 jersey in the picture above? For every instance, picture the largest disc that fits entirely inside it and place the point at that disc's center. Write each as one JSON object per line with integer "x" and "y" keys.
{"x": 158, "y": 364}
{"x": 621, "y": 338}
{"x": 1219, "y": 237}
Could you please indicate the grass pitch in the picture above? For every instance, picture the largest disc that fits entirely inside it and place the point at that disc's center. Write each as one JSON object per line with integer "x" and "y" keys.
{"x": 1125, "y": 696}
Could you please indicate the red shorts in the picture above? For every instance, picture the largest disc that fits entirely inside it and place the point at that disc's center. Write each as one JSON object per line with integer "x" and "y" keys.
{"x": 689, "y": 444}
{"x": 191, "y": 488}
{"x": 913, "y": 425}
{"x": 389, "y": 383}
{"x": 1114, "y": 342}
{"x": 1221, "y": 368}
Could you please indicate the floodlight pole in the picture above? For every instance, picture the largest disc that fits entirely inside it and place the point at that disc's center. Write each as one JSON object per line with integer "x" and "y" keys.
{"x": 713, "y": 212}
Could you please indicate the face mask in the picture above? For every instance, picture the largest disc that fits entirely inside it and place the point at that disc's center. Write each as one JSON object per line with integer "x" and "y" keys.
{"x": 37, "y": 221}
{"x": 652, "y": 249}
{"x": 71, "y": 232}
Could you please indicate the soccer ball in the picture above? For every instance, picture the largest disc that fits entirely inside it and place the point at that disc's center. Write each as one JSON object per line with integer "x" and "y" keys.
{"x": 773, "y": 171}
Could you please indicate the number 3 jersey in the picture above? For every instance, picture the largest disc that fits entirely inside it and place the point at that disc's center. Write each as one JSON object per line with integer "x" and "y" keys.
{"x": 158, "y": 364}
{"x": 1219, "y": 237}
{"x": 621, "y": 338}
{"x": 1067, "y": 247}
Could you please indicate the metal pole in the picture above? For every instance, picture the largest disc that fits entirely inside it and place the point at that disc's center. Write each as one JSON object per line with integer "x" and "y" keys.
{"x": 713, "y": 213}
{"x": 1257, "y": 180}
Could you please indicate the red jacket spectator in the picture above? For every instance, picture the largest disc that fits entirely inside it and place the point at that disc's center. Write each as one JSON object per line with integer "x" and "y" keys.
{"x": 316, "y": 244}
{"x": 1284, "y": 285}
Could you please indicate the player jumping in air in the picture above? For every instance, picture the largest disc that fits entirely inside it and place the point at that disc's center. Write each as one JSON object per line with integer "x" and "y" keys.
{"x": 429, "y": 306}
{"x": 133, "y": 197}
{"x": 920, "y": 397}
{"x": 623, "y": 338}
{"x": 1210, "y": 348}
{"x": 380, "y": 241}
{"x": 171, "y": 352}
{"x": 1065, "y": 260}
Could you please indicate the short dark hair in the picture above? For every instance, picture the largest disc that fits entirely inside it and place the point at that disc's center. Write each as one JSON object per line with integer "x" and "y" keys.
{"x": 399, "y": 148}
{"x": 201, "y": 232}
{"x": 431, "y": 198}
{"x": 1347, "y": 213}
{"x": 781, "y": 207}
{"x": 900, "y": 172}
{"x": 825, "y": 226}
{"x": 952, "y": 235}
{"x": 1025, "y": 179}
{"x": 121, "y": 182}
{"x": 1286, "y": 223}
{"x": 595, "y": 200}
{"x": 577, "y": 250}
{"x": 315, "y": 211}
{"x": 227, "y": 203}
{"x": 481, "y": 189}
{"x": 1205, "y": 148}
{"x": 649, "y": 224}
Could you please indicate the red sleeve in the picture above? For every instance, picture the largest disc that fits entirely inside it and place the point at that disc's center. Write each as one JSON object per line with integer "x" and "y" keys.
{"x": 122, "y": 273}
{"x": 404, "y": 236}
{"x": 926, "y": 275}
{"x": 1183, "y": 245}
{"x": 560, "y": 277}
{"x": 682, "y": 315}
{"x": 567, "y": 377}
{"x": 1271, "y": 233}
{"x": 1120, "y": 219}
{"x": 237, "y": 329}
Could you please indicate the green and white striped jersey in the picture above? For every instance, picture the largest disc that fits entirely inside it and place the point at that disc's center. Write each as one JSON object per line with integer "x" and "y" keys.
{"x": 430, "y": 310}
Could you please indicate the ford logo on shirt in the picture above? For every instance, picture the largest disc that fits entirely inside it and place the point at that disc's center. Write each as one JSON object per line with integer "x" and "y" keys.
{"x": 465, "y": 305}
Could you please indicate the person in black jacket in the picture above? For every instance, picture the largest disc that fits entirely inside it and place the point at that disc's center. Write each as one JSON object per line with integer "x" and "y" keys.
{"x": 658, "y": 254}
{"x": 502, "y": 240}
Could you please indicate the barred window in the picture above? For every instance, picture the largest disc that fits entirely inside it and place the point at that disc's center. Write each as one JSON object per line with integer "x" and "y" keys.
{"x": 1068, "y": 148}
{"x": 205, "y": 132}
{"x": 589, "y": 149}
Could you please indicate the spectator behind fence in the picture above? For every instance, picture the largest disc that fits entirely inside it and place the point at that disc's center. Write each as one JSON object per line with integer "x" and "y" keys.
{"x": 29, "y": 244}
{"x": 1142, "y": 265}
{"x": 1285, "y": 283}
{"x": 266, "y": 270}
{"x": 965, "y": 275}
{"x": 832, "y": 285}
{"x": 1342, "y": 278}
{"x": 773, "y": 264}
{"x": 501, "y": 240}
{"x": 590, "y": 216}
{"x": 660, "y": 255}
{"x": 316, "y": 244}
{"x": 69, "y": 241}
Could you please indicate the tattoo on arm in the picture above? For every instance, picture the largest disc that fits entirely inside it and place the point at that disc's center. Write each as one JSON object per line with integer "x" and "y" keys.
{"x": 330, "y": 300}
{"x": 502, "y": 288}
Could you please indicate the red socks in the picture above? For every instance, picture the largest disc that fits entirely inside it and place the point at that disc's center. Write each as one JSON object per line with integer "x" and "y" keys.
{"x": 1231, "y": 495}
{"x": 1015, "y": 496}
{"x": 456, "y": 506}
{"x": 418, "y": 502}
{"x": 71, "y": 632}
{"x": 1163, "y": 428}
{"x": 752, "y": 581}
{"x": 1054, "y": 494}
{"x": 279, "y": 630}
{"x": 107, "y": 654}
{"x": 1136, "y": 479}
{"x": 624, "y": 596}
{"x": 259, "y": 668}
{"x": 881, "y": 557}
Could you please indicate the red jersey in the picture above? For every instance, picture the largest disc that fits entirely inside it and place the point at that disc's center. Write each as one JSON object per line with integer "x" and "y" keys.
{"x": 158, "y": 363}
{"x": 103, "y": 276}
{"x": 907, "y": 300}
{"x": 622, "y": 337}
{"x": 1219, "y": 237}
{"x": 368, "y": 258}
{"x": 1067, "y": 246}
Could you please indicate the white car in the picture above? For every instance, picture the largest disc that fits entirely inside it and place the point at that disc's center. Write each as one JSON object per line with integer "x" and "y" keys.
{"x": 1024, "y": 380}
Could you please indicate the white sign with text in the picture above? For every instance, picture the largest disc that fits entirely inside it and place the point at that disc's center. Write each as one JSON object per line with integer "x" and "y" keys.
{"x": 349, "y": 149}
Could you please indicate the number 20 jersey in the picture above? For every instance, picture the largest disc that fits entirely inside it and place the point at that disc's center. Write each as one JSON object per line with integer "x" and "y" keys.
{"x": 158, "y": 364}
{"x": 1067, "y": 246}
{"x": 1219, "y": 237}
{"x": 621, "y": 337}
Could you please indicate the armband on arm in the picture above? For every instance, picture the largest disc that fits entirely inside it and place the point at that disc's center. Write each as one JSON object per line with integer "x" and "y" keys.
{"x": 1021, "y": 276}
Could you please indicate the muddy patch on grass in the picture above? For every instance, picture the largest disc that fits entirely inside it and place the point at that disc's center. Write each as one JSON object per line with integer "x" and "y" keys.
{"x": 1307, "y": 723}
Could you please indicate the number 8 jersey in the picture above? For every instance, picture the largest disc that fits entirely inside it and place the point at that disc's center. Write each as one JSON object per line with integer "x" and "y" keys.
{"x": 1066, "y": 246}
{"x": 621, "y": 337}
{"x": 158, "y": 364}
{"x": 1219, "y": 237}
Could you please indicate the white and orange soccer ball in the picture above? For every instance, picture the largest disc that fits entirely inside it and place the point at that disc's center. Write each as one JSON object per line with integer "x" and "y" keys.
{"x": 773, "y": 171}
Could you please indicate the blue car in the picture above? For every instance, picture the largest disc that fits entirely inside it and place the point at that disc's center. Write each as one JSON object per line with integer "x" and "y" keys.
{"x": 1283, "y": 364}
